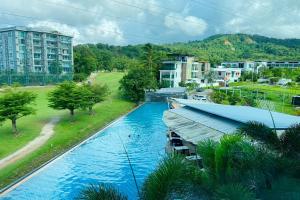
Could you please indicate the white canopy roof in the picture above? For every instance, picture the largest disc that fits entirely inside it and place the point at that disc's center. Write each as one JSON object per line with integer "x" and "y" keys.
{"x": 243, "y": 114}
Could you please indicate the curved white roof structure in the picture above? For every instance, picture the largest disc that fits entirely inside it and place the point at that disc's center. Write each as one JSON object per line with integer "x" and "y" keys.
{"x": 243, "y": 114}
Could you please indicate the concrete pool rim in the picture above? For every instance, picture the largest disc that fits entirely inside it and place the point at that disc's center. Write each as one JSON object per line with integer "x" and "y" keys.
{"x": 37, "y": 170}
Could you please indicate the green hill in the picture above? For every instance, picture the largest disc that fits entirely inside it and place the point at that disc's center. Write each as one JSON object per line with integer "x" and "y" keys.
{"x": 217, "y": 48}
{"x": 231, "y": 47}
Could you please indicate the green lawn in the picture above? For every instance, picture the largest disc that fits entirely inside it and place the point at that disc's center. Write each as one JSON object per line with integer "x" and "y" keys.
{"x": 70, "y": 132}
{"x": 280, "y": 97}
{"x": 273, "y": 88}
{"x": 29, "y": 126}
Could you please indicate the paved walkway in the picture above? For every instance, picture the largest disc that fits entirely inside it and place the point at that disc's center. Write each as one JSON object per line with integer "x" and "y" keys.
{"x": 46, "y": 133}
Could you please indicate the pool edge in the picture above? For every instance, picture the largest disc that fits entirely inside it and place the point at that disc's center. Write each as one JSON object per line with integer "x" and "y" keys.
{"x": 23, "y": 179}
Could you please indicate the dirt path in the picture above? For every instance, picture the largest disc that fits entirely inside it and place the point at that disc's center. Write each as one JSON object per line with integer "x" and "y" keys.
{"x": 45, "y": 134}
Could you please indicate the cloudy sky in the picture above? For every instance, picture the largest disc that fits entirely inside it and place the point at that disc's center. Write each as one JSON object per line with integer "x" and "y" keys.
{"x": 124, "y": 22}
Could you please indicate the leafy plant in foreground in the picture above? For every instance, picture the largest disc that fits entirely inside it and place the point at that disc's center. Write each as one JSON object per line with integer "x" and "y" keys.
{"x": 101, "y": 192}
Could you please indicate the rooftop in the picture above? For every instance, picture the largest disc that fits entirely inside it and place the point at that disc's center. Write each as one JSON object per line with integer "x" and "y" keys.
{"x": 171, "y": 90}
{"x": 30, "y": 29}
{"x": 243, "y": 114}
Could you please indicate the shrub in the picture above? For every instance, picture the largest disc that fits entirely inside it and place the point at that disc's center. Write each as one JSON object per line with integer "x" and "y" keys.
{"x": 234, "y": 99}
{"x": 290, "y": 140}
{"x": 101, "y": 192}
{"x": 234, "y": 192}
{"x": 164, "y": 179}
{"x": 260, "y": 132}
{"x": 79, "y": 77}
{"x": 218, "y": 96}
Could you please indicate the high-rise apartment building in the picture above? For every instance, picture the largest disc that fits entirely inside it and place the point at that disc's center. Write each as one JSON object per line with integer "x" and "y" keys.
{"x": 26, "y": 51}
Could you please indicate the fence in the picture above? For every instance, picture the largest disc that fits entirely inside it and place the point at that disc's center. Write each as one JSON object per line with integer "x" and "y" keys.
{"x": 279, "y": 101}
{"x": 34, "y": 78}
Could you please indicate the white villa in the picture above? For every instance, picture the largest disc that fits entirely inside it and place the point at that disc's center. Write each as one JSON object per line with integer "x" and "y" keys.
{"x": 227, "y": 75}
{"x": 183, "y": 68}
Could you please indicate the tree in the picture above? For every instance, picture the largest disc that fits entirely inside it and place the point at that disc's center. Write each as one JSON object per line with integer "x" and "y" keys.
{"x": 93, "y": 94}
{"x": 67, "y": 95}
{"x": 260, "y": 132}
{"x": 15, "y": 105}
{"x": 235, "y": 160}
{"x": 214, "y": 60}
{"x": 101, "y": 192}
{"x": 55, "y": 68}
{"x": 85, "y": 60}
{"x": 290, "y": 141}
{"x": 151, "y": 59}
{"x": 210, "y": 77}
{"x": 170, "y": 175}
{"x": 134, "y": 84}
{"x": 104, "y": 60}
{"x": 148, "y": 58}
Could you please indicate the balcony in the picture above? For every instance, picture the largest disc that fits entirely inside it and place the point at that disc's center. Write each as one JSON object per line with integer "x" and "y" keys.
{"x": 168, "y": 66}
{"x": 167, "y": 76}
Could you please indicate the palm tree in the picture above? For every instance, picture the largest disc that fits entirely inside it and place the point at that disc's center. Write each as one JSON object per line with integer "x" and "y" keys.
{"x": 290, "y": 141}
{"x": 234, "y": 192}
{"x": 101, "y": 192}
{"x": 173, "y": 178}
{"x": 162, "y": 181}
{"x": 235, "y": 160}
{"x": 260, "y": 132}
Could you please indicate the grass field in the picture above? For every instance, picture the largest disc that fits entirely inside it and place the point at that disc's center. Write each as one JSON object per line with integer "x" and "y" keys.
{"x": 280, "y": 97}
{"x": 269, "y": 88}
{"x": 70, "y": 132}
{"x": 29, "y": 126}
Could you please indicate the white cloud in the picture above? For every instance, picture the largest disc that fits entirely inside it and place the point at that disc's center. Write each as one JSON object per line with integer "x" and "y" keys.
{"x": 272, "y": 18}
{"x": 63, "y": 28}
{"x": 105, "y": 31}
{"x": 190, "y": 25}
{"x": 155, "y": 20}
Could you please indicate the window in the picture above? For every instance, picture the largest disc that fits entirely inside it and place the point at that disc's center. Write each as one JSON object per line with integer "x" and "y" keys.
{"x": 37, "y": 55}
{"x": 37, "y": 62}
{"x": 22, "y": 41}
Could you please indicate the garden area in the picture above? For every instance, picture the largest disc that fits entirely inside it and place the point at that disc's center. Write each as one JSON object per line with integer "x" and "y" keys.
{"x": 69, "y": 131}
{"x": 275, "y": 98}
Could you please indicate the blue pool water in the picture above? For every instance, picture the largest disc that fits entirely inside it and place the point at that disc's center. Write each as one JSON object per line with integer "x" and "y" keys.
{"x": 102, "y": 160}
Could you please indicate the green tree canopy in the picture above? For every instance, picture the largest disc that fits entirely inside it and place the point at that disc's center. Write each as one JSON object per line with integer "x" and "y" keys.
{"x": 93, "y": 94}
{"x": 68, "y": 96}
{"x": 16, "y": 104}
{"x": 134, "y": 84}
{"x": 55, "y": 68}
{"x": 85, "y": 60}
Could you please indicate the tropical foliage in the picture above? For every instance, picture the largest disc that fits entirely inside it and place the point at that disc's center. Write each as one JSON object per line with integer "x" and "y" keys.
{"x": 260, "y": 132}
{"x": 290, "y": 141}
{"x": 101, "y": 192}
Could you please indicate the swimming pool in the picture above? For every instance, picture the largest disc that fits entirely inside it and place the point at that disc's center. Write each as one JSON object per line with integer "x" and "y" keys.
{"x": 101, "y": 159}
